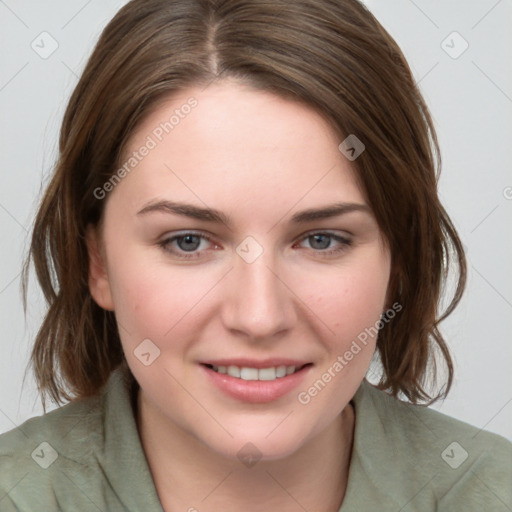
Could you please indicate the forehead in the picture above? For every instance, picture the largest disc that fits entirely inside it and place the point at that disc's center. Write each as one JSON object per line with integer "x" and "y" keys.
{"x": 237, "y": 147}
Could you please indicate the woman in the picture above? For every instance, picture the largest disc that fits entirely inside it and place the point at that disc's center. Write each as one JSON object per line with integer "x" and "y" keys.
{"x": 244, "y": 216}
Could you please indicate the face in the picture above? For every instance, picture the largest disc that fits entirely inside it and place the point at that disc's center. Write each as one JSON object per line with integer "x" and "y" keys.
{"x": 241, "y": 242}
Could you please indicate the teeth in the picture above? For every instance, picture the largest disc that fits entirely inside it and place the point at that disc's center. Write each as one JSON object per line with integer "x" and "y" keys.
{"x": 234, "y": 371}
{"x": 267, "y": 374}
{"x": 281, "y": 371}
{"x": 246, "y": 373}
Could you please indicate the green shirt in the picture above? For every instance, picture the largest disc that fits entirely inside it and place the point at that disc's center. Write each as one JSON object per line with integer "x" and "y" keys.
{"x": 87, "y": 456}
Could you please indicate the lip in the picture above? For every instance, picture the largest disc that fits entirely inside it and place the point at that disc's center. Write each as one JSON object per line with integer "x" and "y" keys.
{"x": 255, "y": 391}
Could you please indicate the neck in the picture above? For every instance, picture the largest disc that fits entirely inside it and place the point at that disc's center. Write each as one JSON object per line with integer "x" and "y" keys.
{"x": 191, "y": 477}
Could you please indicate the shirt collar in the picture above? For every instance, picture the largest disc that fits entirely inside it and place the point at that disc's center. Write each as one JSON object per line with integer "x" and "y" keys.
{"x": 125, "y": 463}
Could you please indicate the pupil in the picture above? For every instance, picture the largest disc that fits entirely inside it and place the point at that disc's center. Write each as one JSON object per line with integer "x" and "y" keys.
{"x": 320, "y": 241}
{"x": 191, "y": 242}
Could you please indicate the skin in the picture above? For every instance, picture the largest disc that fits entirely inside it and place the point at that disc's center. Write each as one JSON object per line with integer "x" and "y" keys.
{"x": 259, "y": 159}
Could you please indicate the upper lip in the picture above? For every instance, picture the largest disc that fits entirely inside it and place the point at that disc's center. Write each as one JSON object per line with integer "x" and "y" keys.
{"x": 253, "y": 363}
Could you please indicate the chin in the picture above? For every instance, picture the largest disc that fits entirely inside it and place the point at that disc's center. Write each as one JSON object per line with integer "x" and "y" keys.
{"x": 254, "y": 444}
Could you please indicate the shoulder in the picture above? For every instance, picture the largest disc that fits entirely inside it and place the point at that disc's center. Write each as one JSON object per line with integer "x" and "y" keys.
{"x": 78, "y": 421}
{"x": 84, "y": 456}
{"x": 451, "y": 463}
{"x": 40, "y": 454}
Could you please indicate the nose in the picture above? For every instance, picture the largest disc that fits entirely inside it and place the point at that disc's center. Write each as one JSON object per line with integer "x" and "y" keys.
{"x": 260, "y": 304}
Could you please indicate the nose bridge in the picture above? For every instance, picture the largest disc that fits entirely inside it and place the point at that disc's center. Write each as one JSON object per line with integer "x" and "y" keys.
{"x": 259, "y": 303}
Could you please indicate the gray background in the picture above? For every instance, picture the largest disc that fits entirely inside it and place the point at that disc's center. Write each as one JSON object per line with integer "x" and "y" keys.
{"x": 470, "y": 96}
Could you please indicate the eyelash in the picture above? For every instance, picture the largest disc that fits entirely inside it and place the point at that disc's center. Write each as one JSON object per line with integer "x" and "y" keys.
{"x": 164, "y": 244}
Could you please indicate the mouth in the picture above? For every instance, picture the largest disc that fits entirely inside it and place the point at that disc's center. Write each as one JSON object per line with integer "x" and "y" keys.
{"x": 248, "y": 373}
{"x": 253, "y": 381}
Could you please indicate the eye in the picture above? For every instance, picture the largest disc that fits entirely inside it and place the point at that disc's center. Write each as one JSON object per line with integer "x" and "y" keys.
{"x": 325, "y": 243}
{"x": 191, "y": 244}
{"x": 186, "y": 245}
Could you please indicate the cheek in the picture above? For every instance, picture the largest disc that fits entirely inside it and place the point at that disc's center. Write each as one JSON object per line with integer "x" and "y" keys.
{"x": 152, "y": 299}
{"x": 351, "y": 298}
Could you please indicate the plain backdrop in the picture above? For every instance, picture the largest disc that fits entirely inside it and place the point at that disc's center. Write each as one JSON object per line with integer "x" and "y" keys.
{"x": 460, "y": 52}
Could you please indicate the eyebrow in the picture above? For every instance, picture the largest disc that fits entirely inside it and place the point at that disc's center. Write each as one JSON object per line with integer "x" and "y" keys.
{"x": 212, "y": 215}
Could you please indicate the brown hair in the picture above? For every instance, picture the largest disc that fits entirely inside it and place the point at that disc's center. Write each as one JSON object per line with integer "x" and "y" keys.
{"x": 329, "y": 54}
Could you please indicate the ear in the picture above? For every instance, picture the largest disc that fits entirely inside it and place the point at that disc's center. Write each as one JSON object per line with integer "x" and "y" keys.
{"x": 99, "y": 284}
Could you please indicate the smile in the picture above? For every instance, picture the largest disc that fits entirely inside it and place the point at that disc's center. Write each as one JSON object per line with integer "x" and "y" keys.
{"x": 256, "y": 381}
{"x": 247, "y": 373}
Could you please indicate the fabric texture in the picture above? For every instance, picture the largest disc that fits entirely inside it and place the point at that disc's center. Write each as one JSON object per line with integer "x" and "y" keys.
{"x": 87, "y": 456}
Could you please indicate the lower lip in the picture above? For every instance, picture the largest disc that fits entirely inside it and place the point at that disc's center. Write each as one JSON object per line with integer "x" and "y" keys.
{"x": 256, "y": 391}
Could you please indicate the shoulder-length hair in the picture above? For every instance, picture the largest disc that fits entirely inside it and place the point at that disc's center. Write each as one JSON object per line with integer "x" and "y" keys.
{"x": 332, "y": 55}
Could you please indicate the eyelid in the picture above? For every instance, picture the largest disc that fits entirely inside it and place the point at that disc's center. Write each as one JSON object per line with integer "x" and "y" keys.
{"x": 167, "y": 239}
{"x": 184, "y": 232}
{"x": 331, "y": 232}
